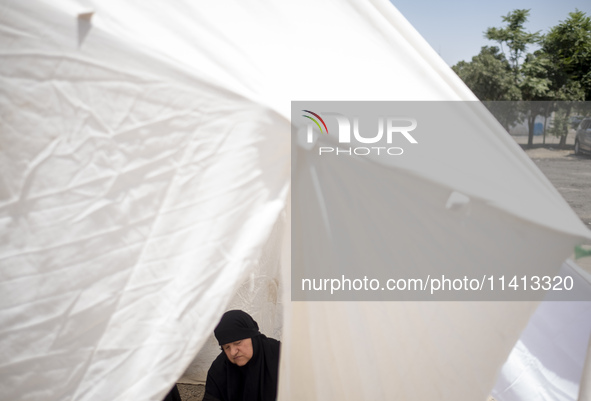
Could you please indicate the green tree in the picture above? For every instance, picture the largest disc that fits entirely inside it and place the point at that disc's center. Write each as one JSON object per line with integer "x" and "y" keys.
{"x": 559, "y": 73}
{"x": 534, "y": 81}
{"x": 559, "y": 126}
{"x": 514, "y": 37}
{"x": 534, "y": 85}
{"x": 488, "y": 75}
{"x": 568, "y": 47}
{"x": 528, "y": 77}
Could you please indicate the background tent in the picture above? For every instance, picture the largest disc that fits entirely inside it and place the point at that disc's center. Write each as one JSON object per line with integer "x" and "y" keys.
{"x": 145, "y": 164}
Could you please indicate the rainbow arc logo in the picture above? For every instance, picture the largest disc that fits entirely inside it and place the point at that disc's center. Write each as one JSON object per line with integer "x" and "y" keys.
{"x": 314, "y": 119}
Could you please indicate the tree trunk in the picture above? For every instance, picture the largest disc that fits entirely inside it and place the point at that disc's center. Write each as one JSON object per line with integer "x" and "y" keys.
{"x": 563, "y": 137}
{"x": 546, "y": 120}
{"x": 530, "y": 125}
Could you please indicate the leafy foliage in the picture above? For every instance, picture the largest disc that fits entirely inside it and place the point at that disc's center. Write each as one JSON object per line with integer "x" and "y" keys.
{"x": 568, "y": 47}
{"x": 560, "y": 71}
{"x": 514, "y": 36}
{"x": 488, "y": 75}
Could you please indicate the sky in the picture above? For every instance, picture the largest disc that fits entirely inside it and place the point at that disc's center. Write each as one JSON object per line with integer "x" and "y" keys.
{"x": 455, "y": 28}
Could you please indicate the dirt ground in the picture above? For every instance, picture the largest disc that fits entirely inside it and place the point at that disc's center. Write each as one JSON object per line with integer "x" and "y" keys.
{"x": 190, "y": 392}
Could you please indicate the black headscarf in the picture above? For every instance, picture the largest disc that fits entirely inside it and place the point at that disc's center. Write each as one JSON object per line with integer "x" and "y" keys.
{"x": 235, "y": 325}
{"x": 255, "y": 381}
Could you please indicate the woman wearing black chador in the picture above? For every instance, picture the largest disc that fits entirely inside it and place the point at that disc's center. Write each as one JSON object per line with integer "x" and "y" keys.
{"x": 247, "y": 368}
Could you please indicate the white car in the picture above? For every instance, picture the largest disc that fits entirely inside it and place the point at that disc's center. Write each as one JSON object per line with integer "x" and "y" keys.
{"x": 583, "y": 138}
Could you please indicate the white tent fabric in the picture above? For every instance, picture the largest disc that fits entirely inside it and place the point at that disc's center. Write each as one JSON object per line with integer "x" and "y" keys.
{"x": 585, "y": 382}
{"x": 135, "y": 199}
{"x": 145, "y": 162}
{"x": 548, "y": 360}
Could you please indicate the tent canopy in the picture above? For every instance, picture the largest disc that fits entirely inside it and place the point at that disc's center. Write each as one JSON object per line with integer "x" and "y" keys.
{"x": 145, "y": 164}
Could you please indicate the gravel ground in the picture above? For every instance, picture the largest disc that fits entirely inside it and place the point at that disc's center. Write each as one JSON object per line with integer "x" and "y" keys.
{"x": 570, "y": 174}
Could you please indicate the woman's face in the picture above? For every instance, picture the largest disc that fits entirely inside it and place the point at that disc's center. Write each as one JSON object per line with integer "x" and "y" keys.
{"x": 239, "y": 352}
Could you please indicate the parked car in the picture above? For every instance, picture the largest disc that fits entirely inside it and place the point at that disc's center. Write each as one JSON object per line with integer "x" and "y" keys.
{"x": 574, "y": 121}
{"x": 583, "y": 137}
